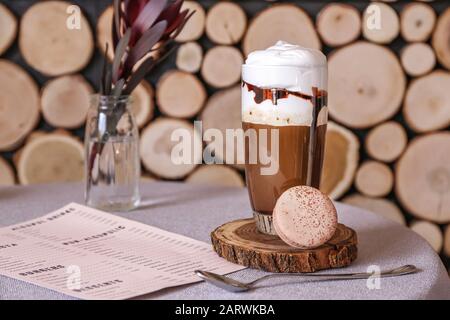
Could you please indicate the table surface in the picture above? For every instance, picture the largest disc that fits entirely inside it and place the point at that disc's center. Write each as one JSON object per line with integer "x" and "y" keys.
{"x": 195, "y": 211}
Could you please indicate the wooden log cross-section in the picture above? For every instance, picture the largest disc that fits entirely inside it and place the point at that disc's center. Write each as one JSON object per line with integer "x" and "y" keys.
{"x": 7, "y": 177}
{"x": 366, "y": 84}
{"x": 142, "y": 103}
{"x": 19, "y": 105}
{"x": 240, "y": 242}
{"x": 222, "y": 66}
{"x": 339, "y": 24}
{"x": 374, "y": 179}
{"x": 218, "y": 175}
{"x": 381, "y": 23}
{"x": 65, "y": 101}
{"x": 427, "y": 102}
{"x": 49, "y": 45}
{"x": 189, "y": 57}
{"x": 157, "y": 148}
{"x": 195, "y": 27}
{"x": 417, "y": 22}
{"x": 430, "y": 232}
{"x": 222, "y": 112}
{"x": 8, "y": 28}
{"x": 226, "y": 23}
{"x": 180, "y": 94}
{"x": 418, "y": 59}
{"x": 422, "y": 177}
{"x": 280, "y": 22}
{"x": 441, "y": 39}
{"x": 341, "y": 161}
{"x": 380, "y": 206}
{"x": 50, "y": 157}
{"x": 387, "y": 141}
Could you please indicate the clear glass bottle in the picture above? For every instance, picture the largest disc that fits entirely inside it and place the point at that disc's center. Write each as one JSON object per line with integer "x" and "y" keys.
{"x": 112, "y": 165}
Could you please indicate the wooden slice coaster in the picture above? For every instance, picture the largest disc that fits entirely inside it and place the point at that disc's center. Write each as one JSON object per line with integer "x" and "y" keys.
{"x": 240, "y": 242}
{"x": 49, "y": 45}
{"x": 19, "y": 105}
{"x": 8, "y": 28}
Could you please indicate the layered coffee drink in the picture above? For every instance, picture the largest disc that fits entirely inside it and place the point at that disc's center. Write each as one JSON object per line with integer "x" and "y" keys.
{"x": 284, "y": 115}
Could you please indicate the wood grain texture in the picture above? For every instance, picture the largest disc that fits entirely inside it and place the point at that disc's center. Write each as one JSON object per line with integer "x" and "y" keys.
{"x": 240, "y": 242}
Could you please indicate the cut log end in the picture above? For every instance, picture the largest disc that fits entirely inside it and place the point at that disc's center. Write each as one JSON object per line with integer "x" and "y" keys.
{"x": 7, "y": 177}
{"x": 430, "y": 232}
{"x": 194, "y": 28}
{"x": 222, "y": 112}
{"x": 374, "y": 179}
{"x": 20, "y": 105}
{"x": 441, "y": 39}
{"x": 369, "y": 75}
{"x": 222, "y": 66}
{"x": 65, "y": 101}
{"x": 51, "y": 157}
{"x": 341, "y": 161}
{"x": 381, "y": 23}
{"x": 387, "y": 141}
{"x": 49, "y": 45}
{"x": 142, "y": 103}
{"x": 104, "y": 32}
{"x": 339, "y": 24}
{"x": 382, "y": 207}
{"x": 417, "y": 22}
{"x": 180, "y": 94}
{"x": 427, "y": 102}
{"x": 217, "y": 175}
{"x": 423, "y": 177}
{"x": 282, "y": 19}
{"x": 8, "y": 28}
{"x": 418, "y": 59}
{"x": 157, "y": 148}
{"x": 226, "y": 23}
{"x": 189, "y": 57}
{"x": 240, "y": 242}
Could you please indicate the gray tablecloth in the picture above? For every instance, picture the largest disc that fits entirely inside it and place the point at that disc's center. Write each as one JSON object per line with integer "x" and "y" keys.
{"x": 195, "y": 211}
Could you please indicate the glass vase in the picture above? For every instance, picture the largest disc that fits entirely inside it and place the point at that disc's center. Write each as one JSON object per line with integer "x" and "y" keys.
{"x": 112, "y": 165}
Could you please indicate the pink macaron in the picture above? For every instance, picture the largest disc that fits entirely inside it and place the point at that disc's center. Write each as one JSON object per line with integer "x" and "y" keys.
{"x": 304, "y": 217}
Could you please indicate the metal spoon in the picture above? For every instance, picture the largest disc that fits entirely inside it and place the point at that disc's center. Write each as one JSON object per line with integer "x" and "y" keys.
{"x": 237, "y": 286}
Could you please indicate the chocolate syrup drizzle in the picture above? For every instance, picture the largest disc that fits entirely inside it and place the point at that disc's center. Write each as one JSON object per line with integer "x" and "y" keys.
{"x": 319, "y": 100}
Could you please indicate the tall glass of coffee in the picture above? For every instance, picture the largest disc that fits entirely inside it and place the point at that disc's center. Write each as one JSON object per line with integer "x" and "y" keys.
{"x": 284, "y": 115}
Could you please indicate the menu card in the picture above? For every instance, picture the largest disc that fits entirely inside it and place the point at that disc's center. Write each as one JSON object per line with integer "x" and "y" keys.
{"x": 91, "y": 254}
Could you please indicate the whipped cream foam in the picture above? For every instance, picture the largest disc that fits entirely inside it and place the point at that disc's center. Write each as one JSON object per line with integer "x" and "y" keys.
{"x": 289, "y": 67}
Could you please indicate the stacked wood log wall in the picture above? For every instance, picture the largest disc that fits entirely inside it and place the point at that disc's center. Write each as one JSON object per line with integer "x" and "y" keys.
{"x": 389, "y": 145}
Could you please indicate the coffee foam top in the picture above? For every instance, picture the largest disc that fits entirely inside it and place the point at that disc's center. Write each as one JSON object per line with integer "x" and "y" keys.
{"x": 284, "y": 66}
